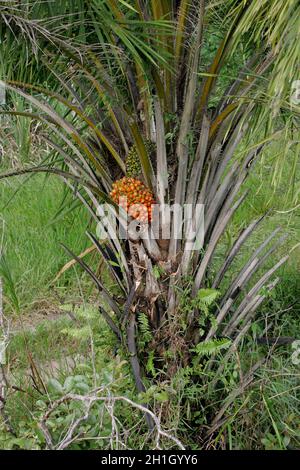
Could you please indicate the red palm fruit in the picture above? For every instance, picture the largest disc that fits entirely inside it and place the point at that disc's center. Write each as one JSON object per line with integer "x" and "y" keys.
{"x": 136, "y": 193}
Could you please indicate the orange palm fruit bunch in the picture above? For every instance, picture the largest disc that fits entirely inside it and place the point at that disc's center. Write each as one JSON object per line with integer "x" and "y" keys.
{"x": 134, "y": 197}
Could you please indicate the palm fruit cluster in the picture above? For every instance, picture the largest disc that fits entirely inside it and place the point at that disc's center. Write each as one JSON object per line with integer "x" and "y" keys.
{"x": 134, "y": 197}
{"x": 133, "y": 166}
{"x": 132, "y": 161}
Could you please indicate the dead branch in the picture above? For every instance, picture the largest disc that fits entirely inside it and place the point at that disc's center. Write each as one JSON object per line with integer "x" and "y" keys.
{"x": 109, "y": 401}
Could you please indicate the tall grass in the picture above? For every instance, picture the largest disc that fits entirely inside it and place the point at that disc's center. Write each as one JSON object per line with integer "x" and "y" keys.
{"x": 32, "y": 236}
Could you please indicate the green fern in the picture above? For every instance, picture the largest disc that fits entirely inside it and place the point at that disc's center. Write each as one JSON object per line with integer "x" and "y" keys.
{"x": 150, "y": 367}
{"x": 145, "y": 329}
{"x": 207, "y": 296}
{"x": 205, "y": 299}
{"x": 213, "y": 346}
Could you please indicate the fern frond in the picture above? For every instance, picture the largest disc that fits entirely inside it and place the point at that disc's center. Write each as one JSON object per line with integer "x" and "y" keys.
{"x": 212, "y": 346}
{"x": 207, "y": 296}
{"x": 144, "y": 327}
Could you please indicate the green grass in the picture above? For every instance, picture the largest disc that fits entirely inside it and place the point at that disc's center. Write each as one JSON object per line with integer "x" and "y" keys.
{"x": 32, "y": 255}
{"x": 266, "y": 415}
{"x": 59, "y": 339}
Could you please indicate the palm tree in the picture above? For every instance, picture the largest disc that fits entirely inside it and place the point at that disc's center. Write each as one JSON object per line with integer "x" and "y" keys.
{"x": 140, "y": 91}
